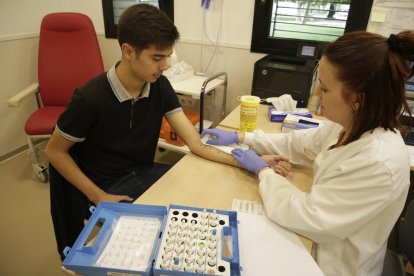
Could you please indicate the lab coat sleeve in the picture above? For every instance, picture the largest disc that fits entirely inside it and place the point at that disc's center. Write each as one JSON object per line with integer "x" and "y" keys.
{"x": 301, "y": 146}
{"x": 342, "y": 201}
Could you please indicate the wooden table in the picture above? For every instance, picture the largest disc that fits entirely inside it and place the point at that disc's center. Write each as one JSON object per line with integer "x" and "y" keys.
{"x": 195, "y": 181}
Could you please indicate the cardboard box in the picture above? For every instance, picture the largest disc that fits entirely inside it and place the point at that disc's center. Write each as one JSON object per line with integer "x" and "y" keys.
{"x": 279, "y": 116}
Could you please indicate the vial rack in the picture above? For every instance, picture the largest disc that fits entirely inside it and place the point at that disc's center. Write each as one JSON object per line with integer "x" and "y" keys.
{"x": 196, "y": 241}
{"x": 132, "y": 239}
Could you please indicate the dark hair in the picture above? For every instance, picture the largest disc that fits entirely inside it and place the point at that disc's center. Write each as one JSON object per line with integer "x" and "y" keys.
{"x": 143, "y": 25}
{"x": 376, "y": 68}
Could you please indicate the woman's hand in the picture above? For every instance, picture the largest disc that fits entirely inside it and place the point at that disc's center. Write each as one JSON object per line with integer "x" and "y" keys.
{"x": 220, "y": 137}
{"x": 279, "y": 163}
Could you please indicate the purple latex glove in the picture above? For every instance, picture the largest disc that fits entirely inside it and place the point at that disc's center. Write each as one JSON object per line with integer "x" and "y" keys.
{"x": 249, "y": 160}
{"x": 220, "y": 137}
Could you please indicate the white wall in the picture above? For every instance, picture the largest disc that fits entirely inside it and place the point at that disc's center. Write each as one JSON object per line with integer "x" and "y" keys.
{"x": 19, "y": 26}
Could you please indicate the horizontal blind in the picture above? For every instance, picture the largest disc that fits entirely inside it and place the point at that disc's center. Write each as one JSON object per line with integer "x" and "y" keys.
{"x": 318, "y": 20}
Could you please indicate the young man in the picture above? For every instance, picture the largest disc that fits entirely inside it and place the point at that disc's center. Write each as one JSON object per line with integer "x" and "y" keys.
{"x": 105, "y": 142}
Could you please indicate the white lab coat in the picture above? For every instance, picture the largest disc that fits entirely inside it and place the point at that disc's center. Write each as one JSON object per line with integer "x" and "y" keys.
{"x": 358, "y": 192}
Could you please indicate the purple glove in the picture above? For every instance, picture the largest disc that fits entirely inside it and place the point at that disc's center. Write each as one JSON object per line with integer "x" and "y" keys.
{"x": 249, "y": 160}
{"x": 220, "y": 137}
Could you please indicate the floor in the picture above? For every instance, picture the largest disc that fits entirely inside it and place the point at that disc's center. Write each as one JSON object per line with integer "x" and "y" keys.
{"x": 26, "y": 236}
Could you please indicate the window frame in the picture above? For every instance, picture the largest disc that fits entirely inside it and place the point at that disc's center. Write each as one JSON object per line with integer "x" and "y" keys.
{"x": 261, "y": 42}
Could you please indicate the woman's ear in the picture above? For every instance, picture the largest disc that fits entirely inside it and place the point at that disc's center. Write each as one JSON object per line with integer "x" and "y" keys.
{"x": 357, "y": 100}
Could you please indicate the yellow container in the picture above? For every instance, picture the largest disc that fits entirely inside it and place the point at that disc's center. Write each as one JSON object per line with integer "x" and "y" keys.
{"x": 249, "y": 108}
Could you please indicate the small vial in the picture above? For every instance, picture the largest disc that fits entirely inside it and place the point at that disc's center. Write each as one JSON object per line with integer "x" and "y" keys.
{"x": 211, "y": 261}
{"x": 170, "y": 240}
{"x": 189, "y": 268}
{"x": 179, "y": 250}
{"x": 165, "y": 264}
{"x": 168, "y": 248}
{"x": 166, "y": 256}
{"x": 213, "y": 216}
{"x": 204, "y": 214}
{"x": 176, "y": 263}
{"x": 201, "y": 245}
{"x": 190, "y": 250}
{"x": 200, "y": 261}
{"x": 213, "y": 223}
{"x": 171, "y": 232}
{"x": 183, "y": 227}
{"x": 202, "y": 236}
{"x": 190, "y": 243}
{"x": 212, "y": 253}
{"x": 192, "y": 235}
{"x": 211, "y": 271}
{"x": 201, "y": 254}
{"x": 200, "y": 269}
{"x": 203, "y": 230}
{"x": 212, "y": 238}
{"x": 189, "y": 260}
{"x": 212, "y": 245}
{"x": 193, "y": 225}
{"x": 179, "y": 242}
{"x": 173, "y": 222}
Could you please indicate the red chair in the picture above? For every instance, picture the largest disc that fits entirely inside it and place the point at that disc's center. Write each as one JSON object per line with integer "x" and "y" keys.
{"x": 69, "y": 56}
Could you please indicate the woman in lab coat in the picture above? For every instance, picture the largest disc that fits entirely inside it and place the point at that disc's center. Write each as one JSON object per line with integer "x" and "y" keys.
{"x": 360, "y": 162}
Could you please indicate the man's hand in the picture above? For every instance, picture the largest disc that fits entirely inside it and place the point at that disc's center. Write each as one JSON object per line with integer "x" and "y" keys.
{"x": 220, "y": 137}
{"x": 112, "y": 198}
{"x": 279, "y": 163}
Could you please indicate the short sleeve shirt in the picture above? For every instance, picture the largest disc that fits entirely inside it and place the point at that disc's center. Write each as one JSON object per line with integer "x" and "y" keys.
{"x": 115, "y": 133}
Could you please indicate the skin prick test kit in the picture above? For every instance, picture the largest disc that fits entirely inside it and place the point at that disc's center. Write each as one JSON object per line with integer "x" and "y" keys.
{"x": 131, "y": 239}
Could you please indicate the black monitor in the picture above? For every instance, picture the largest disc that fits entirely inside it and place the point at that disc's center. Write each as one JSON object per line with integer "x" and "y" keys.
{"x": 112, "y": 10}
{"x": 300, "y": 28}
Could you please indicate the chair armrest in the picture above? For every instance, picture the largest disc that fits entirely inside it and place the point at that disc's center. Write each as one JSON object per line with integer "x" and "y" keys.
{"x": 19, "y": 97}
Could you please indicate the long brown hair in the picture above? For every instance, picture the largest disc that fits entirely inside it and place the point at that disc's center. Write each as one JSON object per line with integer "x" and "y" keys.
{"x": 376, "y": 68}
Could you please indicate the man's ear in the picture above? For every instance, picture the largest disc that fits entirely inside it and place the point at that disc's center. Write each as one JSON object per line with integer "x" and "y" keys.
{"x": 127, "y": 51}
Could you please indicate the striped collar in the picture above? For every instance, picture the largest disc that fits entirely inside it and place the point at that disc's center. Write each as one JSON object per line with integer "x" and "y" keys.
{"x": 119, "y": 90}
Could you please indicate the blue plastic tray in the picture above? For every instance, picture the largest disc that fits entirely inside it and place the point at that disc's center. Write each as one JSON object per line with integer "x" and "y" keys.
{"x": 83, "y": 255}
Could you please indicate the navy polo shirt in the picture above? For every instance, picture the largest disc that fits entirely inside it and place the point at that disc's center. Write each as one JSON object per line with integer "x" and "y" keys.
{"x": 116, "y": 134}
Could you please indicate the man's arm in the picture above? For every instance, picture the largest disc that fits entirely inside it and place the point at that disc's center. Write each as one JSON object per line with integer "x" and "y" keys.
{"x": 57, "y": 152}
{"x": 186, "y": 131}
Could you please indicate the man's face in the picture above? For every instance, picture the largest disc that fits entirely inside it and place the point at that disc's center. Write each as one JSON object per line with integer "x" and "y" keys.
{"x": 150, "y": 63}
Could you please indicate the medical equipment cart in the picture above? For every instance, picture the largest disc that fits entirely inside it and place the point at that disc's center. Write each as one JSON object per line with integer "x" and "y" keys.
{"x": 196, "y": 88}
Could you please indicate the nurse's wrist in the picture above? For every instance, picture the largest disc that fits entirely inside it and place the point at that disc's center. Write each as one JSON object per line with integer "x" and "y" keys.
{"x": 262, "y": 170}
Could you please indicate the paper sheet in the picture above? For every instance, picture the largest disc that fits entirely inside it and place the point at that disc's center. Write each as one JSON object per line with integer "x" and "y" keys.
{"x": 268, "y": 249}
{"x": 227, "y": 149}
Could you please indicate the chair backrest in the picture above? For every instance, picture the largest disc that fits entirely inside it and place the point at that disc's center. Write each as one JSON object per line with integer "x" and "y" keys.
{"x": 406, "y": 233}
{"x": 69, "y": 56}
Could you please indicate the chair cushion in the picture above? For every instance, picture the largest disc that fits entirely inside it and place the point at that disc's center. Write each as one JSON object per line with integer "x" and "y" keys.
{"x": 43, "y": 120}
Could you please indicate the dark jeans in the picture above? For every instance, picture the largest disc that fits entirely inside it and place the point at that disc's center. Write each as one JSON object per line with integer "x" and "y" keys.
{"x": 69, "y": 207}
{"x": 137, "y": 182}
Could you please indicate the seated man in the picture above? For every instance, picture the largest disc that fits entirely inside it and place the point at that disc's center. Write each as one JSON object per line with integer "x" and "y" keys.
{"x": 104, "y": 144}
